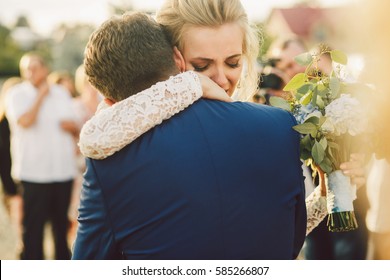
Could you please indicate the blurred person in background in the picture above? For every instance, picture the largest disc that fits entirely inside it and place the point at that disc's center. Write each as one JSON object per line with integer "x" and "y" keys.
{"x": 10, "y": 190}
{"x": 85, "y": 106}
{"x": 271, "y": 82}
{"x": 42, "y": 127}
{"x": 65, "y": 79}
{"x": 283, "y": 51}
{"x": 89, "y": 97}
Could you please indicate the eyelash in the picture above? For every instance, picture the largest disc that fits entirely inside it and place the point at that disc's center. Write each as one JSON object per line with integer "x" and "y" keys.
{"x": 235, "y": 65}
{"x": 204, "y": 68}
{"x": 200, "y": 69}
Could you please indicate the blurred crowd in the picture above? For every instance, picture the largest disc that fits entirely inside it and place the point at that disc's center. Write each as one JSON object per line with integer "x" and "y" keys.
{"x": 42, "y": 113}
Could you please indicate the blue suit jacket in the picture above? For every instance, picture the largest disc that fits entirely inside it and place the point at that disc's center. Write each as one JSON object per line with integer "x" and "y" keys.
{"x": 217, "y": 181}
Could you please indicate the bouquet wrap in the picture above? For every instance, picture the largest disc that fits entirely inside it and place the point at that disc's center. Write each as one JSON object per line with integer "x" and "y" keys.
{"x": 340, "y": 196}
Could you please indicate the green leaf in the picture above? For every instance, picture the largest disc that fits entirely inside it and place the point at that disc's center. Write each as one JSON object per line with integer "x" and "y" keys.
{"x": 304, "y": 59}
{"x": 314, "y": 97}
{"x": 296, "y": 82}
{"x": 322, "y": 120}
{"x": 305, "y": 146}
{"x": 305, "y": 88}
{"x": 318, "y": 152}
{"x": 324, "y": 143}
{"x": 280, "y": 103}
{"x": 306, "y": 98}
{"x": 322, "y": 89}
{"x": 332, "y": 147}
{"x": 326, "y": 165}
{"x": 334, "y": 85}
{"x": 339, "y": 57}
{"x": 320, "y": 102}
{"x": 314, "y": 120}
{"x": 305, "y": 128}
{"x": 305, "y": 154}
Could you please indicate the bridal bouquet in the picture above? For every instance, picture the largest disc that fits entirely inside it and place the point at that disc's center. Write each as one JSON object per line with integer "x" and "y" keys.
{"x": 330, "y": 119}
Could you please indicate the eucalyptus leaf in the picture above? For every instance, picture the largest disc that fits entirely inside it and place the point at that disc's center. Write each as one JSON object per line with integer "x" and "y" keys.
{"x": 318, "y": 152}
{"x": 313, "y": 119}
{"x": 305, "y": 100}
{"x": 305, "y": 128}
{"x": 322, "y": 120}
{"x": 339, "y": 57}
{"x": 305, "y": 154}
{"x": 322, "y": 90}
{"x": 326, "y": 165}
{"x": 306, "y": 141}
{"x": 296, "y": 82}
{"x": 333, "y": 147}
{"x": 305, "y": 88}
{"x": 324, "y": 143}
{"x": 334, "y": 85}
{"x": 304, "y": 59}
{"x": 280, "y": 103}
{"x": 314, "y": 97}
{"x": 320, "y": 102}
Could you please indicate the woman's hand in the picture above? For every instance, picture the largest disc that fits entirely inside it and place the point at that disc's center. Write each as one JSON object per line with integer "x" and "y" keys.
{"x": 211, "y": 90}
{"x": 355, "y": 169}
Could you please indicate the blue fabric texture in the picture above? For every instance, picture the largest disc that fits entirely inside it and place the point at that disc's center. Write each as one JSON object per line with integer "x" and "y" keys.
{"x": 217, "y": 181}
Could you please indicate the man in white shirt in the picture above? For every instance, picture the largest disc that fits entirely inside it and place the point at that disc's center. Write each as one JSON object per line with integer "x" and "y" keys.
{"x": 42, "y": 147}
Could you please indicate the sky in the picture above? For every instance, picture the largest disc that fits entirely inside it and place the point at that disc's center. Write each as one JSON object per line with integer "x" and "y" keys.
{"x": 44, "y": 15}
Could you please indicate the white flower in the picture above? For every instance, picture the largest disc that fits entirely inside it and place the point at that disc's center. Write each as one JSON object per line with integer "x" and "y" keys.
{"x": 345, "y": 115}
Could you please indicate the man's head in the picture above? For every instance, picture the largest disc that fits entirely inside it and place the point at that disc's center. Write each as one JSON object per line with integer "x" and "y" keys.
{"x": 285, "y": 52}
{"x": 128, "y": 54}
{"x": 33, "y": 68}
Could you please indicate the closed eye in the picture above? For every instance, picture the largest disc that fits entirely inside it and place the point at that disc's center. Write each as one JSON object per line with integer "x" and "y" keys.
{"x": 201, "y": 68}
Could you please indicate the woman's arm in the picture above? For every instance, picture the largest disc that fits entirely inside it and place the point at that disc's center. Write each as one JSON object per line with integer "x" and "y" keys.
{"x": 112, "y": 128}
{"x": 316, "y": 209}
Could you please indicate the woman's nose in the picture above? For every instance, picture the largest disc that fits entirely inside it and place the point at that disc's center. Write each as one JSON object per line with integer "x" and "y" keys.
{"x": 221, "y": 79}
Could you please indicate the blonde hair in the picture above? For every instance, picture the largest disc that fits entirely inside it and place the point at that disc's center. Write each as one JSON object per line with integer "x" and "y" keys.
{"x": 177, "y": 15}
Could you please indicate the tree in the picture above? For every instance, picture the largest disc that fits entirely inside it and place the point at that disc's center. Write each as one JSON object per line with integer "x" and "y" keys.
{"x": 68, "y": 46}
{"x": 10, "y": 53}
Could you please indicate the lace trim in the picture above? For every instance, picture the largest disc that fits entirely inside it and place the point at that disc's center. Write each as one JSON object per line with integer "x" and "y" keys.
{"x": 112, "y": 128}
{"x": 316, "y": 209}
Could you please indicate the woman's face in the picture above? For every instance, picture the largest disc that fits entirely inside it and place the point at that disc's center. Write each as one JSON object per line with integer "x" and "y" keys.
{"x": 216, "y": 53}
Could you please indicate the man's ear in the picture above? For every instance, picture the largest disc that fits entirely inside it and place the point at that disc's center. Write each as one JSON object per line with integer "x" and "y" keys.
{"x": 179, "y": 59}
{"x": 109, "y": 102}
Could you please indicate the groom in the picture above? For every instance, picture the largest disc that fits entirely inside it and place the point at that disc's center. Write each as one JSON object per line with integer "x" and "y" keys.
{"x": 218, "y": 181}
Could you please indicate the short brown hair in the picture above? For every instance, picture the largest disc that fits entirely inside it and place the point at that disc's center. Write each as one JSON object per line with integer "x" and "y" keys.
{"x": 128, "y": 54}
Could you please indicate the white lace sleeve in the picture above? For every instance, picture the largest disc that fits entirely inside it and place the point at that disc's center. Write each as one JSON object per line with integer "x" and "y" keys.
{"x": 114, "y": 127}
{"x": 316, "y": 209}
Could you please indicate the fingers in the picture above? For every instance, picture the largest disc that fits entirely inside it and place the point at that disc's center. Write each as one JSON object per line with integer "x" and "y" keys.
{"x": 212, "y": 91}
{"x": 223, "y": 96}
{"x": 356, "y": 162}
{"x": 355, "y": 169}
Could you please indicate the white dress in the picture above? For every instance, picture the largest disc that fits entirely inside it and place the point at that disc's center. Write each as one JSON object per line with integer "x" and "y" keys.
{"x": 112, "y": 128}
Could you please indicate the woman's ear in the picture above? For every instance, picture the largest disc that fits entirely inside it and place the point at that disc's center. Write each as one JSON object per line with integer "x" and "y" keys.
{"x": 179, "y": 59}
